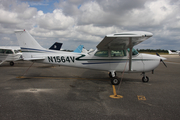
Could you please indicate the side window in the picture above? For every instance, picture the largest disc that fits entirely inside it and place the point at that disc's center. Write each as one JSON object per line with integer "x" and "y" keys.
{"x": 9, "y": 52}
{"x": 101, "y": 53}
{"x": 118, "y": 53}
{"x": 2, "y": 51}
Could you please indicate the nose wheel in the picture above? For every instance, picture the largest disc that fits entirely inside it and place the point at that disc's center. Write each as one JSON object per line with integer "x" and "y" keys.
{"x": 115, "y": 81}
{"x": 145, "y": 78}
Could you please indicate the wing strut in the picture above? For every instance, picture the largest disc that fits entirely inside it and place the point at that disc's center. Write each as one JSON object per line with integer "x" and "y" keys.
{"x": 130, "y": 53}
{"x": 2, "y": 62}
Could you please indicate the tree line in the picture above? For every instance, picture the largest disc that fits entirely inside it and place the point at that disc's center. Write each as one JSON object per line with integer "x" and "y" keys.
{"x": 152, "y": 50}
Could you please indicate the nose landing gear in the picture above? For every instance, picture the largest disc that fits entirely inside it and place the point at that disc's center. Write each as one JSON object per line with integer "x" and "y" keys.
{"x": 114, "y": 79}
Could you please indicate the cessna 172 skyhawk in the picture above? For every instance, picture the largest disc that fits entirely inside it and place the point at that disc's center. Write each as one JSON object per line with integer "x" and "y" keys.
{"x": 114, "y": 53}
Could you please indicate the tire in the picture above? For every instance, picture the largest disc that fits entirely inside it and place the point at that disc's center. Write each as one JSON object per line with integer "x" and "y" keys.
{"x": 145, "y": 79}
{"x": 110, "y": 75}
{"x": 11, "y": 63}
{"x": 115, "y": 81}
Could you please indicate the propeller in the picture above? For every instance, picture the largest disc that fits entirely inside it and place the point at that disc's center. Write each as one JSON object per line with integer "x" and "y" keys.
{"x": 161, "y": 59}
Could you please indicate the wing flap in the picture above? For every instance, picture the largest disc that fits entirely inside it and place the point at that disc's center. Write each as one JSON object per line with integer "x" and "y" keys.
{"x": 123, "y": 40}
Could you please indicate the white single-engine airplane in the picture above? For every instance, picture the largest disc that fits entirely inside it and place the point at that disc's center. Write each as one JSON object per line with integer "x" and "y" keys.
{"x": 13, "y": 53}
{"x": 114, "y": 53}
{"x": 170, "y": 52}
{"x": 10, "y": 54}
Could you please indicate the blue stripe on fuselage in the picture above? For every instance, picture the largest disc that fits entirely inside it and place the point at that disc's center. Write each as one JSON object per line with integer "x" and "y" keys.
{"x": 36, "y": 50}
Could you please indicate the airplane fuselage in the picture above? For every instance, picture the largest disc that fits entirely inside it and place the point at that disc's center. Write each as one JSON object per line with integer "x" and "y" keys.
{"x": 140, "y": 62}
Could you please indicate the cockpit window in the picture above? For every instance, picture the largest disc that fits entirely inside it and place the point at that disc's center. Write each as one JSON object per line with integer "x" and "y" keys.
{"x": 118, "y": 53}
{"x": 134, "y": 52}
{"x": 101, "y": 53}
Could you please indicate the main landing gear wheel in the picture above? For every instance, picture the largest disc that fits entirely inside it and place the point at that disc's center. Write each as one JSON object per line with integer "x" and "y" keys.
{"x": 145, "y": 79}
{"x": 114, "y": 81}
{"x": 11, "y": 63}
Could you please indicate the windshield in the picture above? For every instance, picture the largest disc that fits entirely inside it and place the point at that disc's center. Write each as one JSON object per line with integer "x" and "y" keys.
{"x": 134, "y": 52}
{"x": 17, "y": 51}
{"x": 101, "y": 53}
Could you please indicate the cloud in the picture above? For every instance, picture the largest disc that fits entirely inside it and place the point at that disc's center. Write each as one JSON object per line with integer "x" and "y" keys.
{"x": 7, "y": 17}
{"x": 55, "y": 21}
{"x": 98, "y": 31}
{"x": 6, "y": 38}
{"x": 16, "y": 15}
{"x": 86, "y": 21}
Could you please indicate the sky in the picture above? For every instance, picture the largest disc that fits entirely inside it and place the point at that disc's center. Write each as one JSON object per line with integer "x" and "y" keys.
{"x": 87, "y": 22}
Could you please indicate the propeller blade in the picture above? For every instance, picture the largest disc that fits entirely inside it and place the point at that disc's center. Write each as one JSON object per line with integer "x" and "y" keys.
{"x": 163, "y": 63}
{"x": 161, "y": 60}
{"x": 157, "y": 54}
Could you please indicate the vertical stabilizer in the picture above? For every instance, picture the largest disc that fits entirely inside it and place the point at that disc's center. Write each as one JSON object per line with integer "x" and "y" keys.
{"x": 169, "y": 52}
{"x": 26, "y": 40}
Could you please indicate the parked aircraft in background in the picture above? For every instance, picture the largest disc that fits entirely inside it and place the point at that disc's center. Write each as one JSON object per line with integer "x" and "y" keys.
{"x": 170, "y": 52}
{"x": 114, "y": 53}
{"x": 56, "y": 46}
{"x": 10, "y": 54}
{"x": 13, "y": 53}
{"x": 79, "y": 49}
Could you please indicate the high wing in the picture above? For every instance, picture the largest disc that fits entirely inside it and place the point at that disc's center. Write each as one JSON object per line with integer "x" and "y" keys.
{"x": 124, "y": 40}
